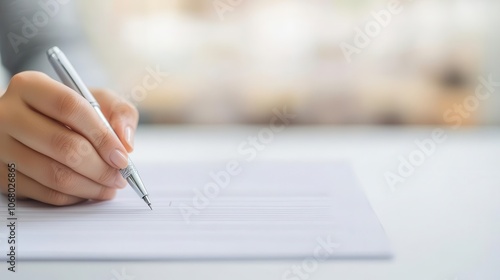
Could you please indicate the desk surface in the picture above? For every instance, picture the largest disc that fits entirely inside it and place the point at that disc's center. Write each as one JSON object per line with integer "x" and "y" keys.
{"x": 443, "y": 221}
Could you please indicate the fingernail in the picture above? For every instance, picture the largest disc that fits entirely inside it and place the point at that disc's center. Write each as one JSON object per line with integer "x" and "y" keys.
{"x": 120, "y": 182}
{"x": 128, "y": 136}
{"x": 118, "y": 159}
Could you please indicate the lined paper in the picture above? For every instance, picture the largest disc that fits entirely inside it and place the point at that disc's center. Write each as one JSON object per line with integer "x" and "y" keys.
{"x": 270, "y": 210}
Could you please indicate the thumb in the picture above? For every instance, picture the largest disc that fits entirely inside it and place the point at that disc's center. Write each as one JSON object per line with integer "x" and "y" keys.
{"x": 121, "y": 114}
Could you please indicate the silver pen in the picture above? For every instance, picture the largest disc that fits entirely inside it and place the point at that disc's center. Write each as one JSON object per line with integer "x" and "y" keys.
{"x": 70, "y": 78}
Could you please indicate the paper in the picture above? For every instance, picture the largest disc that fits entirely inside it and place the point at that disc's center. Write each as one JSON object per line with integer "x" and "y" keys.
{"x": 268, "y": 210}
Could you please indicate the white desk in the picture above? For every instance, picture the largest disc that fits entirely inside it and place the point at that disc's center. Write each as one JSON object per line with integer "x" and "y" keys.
{"x": 443, "y": 222}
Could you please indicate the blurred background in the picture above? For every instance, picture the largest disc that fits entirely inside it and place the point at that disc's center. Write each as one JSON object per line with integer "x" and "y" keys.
{"x": 231, "y": 61}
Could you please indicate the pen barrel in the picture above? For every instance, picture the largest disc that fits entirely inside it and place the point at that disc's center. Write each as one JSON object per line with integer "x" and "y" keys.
{"x": 68, "y": 74}
{"x": 70, "y": 78}
{"x": 97, "y": 108}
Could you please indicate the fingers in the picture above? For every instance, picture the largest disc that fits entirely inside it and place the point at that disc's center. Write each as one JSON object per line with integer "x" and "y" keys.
{"x": 64, "y": 105}
{"x": 122, "y": 115}
{"x": 63, "y": 145}
{"x": 53, "y": 174}
{"x": 29, "y": 188}
{"x": 64, "y": 153}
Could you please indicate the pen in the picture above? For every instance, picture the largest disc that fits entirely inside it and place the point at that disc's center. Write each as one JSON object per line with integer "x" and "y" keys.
{"x": 70, "y": 78}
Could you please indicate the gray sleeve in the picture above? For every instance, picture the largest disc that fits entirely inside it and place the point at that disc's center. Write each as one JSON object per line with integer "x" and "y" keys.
{"x": 29, "y": 27}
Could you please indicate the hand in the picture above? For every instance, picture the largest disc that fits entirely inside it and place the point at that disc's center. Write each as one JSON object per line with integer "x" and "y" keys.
{"x": 64, "y": 154}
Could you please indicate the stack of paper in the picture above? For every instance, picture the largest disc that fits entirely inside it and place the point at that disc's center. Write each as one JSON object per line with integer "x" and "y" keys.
{"x": 212, "y": 211}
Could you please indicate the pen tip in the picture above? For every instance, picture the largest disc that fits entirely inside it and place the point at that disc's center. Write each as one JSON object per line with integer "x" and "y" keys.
{"x": 148, "y": 202}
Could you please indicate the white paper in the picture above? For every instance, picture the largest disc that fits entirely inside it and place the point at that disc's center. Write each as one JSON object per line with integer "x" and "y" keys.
{"x": 270, "y": 210}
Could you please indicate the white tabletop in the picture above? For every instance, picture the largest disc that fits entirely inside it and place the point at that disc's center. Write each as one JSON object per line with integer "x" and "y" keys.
{"x": 443, "y": 221}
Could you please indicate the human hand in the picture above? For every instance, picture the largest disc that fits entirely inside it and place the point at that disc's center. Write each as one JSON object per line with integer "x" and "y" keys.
{"x": 64, "y": 154}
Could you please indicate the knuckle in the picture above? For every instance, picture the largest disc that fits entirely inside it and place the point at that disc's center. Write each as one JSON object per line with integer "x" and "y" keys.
{"x": 58, "y": 199}
{"x": 23, "y": 77}
{"x": 66, "y": 143}
{"x": 62, "y": 177}
{"x": 134, "y": 112}
{"x": 106, "y": 194}
{"x": 107, "y": 176}
{"x": 69, "y": 105}
{"x": 123, "y": 107}
{"x": 19, "y": 80}
{"x": 101, "y": 93}
{"x": 101, "y": 138}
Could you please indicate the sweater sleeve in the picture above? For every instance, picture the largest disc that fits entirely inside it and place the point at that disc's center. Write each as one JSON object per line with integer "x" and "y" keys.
{"x": 29, "y": 27}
